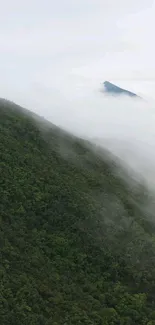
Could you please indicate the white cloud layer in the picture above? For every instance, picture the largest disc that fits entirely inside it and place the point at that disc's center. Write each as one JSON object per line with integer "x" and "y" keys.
{"x": 100, "y": 39}
{"x": 55, "y": 54}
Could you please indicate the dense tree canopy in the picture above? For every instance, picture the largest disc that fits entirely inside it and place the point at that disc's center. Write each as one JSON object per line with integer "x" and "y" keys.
{"x": 76, "y": 246}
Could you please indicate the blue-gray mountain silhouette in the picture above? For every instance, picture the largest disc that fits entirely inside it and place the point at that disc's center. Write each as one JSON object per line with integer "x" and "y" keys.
{"x": 115, "y": 90}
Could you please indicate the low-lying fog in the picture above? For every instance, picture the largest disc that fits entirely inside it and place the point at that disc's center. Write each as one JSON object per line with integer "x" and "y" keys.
{"x": 122, "y": 124}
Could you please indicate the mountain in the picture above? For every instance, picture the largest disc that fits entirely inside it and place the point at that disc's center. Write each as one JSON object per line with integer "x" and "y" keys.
{"x": 77, "y": 243}
{"x": 115, "y": 90}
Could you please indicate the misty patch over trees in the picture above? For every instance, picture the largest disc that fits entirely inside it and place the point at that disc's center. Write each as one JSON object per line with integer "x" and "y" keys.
{"x": 77, "y": 245}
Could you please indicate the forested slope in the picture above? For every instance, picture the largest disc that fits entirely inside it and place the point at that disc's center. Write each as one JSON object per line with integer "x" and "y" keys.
{"x": 75, "y": 244}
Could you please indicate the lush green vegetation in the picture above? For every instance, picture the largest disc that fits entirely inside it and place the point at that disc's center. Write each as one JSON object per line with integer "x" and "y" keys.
{"x": 76, "y": 247}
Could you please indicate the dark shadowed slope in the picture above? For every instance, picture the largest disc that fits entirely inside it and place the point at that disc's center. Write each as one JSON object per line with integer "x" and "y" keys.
{"x": 115, "y": 90}
{"x": 75, "y": 244}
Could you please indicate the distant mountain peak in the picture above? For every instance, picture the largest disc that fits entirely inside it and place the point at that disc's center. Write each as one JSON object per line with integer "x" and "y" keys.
{"x": 115, "y": 90}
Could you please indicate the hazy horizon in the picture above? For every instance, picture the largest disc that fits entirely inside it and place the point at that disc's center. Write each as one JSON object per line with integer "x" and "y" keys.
{"x": 55, "y": 55}
{"x": 43, "y": 43}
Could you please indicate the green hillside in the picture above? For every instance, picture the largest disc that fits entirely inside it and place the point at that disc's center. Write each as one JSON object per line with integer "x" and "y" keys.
{"x": 76, "y": 246}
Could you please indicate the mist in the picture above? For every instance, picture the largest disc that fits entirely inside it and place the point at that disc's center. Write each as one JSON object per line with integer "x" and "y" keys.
{"x": 121, "y": 124}
{"x": 54, "y": 57}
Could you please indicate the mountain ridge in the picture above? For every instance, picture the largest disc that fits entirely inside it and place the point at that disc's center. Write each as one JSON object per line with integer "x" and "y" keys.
{"x": 112, "y": 89}
{"x": 76, "y": 246}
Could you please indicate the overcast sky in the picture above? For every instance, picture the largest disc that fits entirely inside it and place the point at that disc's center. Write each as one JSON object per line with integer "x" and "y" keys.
{"x": 45, "y": 43}
{"x": 54, "y": 55}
